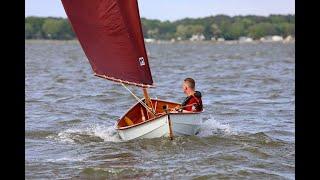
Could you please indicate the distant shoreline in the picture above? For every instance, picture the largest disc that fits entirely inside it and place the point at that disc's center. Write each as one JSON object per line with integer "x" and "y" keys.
{"x": 206, "y": 28}
{"x": 73, "y": 41}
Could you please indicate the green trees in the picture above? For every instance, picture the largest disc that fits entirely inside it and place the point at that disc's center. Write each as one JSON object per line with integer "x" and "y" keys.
{"x": 57, "y": 29}
{"x": 166, "y": 30}
{"x": 285, "y": 28}
{"x": 33, "y": 28}
{"x": 233, "y": 31}
{"x": 229, "y": 28}
{"x": 186, "y": 31}
{"x": 52, "y": 28}
{"x": 48, "y": 28}
{"x": 215, "y": 30}
{"x": 28, "y": 29}
{"x": 262, "y": 29}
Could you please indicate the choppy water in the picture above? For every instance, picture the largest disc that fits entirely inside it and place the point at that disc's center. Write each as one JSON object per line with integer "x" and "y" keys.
{"x": 248, "y": 130}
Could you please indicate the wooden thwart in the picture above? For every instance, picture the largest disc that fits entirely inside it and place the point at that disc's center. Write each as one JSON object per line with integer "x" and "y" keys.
{"x": 128, "y": 121}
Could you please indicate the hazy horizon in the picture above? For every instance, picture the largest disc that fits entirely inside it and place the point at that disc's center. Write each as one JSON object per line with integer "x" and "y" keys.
{"x": 176, "y": 19}
{"x": 179, "y": 9}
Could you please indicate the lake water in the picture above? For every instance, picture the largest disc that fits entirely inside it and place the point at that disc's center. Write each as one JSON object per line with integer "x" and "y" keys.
{"x": 248, "y": 127}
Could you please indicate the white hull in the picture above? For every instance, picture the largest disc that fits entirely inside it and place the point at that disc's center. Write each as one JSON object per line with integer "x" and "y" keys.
{"x": 185, "y": 124}
{"x": 182, "y": 124}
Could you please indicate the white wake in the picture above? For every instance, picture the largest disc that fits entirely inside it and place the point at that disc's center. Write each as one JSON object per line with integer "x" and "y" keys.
{"x": 105, "y": 132}
{"x": 211, "y": 127}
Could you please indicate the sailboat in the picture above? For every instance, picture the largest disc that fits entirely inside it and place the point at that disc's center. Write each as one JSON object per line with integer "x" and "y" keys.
{"x": 110, "y": 34}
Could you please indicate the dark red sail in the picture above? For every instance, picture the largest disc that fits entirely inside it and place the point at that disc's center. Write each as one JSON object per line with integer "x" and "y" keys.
{"x": 110, "y": 34}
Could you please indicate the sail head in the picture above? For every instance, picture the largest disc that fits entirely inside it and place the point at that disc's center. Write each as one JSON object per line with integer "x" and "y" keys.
{"x": 110, "y": 34}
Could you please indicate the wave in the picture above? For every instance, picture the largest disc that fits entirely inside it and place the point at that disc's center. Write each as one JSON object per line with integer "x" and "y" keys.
{"x": 37, "y": 134}
{"x": 212, "y": 127}
{"x": 113, "y": 173}
{"x": 71, "y": 121}
{"x": 107, "y": 133}
{"x": 65, "y": 159}
{"x": 94, "y": 133}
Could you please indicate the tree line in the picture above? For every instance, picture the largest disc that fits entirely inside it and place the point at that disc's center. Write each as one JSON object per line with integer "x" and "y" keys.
{"x": 219, "y": 26}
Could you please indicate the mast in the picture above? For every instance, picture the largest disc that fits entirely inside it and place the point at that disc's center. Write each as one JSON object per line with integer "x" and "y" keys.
{"x": 148, "y": 102}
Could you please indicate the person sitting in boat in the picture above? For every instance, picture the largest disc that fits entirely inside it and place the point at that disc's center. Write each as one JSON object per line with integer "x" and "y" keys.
{"x": 193, "y": 100}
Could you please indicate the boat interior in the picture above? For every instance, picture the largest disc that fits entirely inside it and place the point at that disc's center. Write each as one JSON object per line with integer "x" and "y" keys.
{"x": 138, "y": 113}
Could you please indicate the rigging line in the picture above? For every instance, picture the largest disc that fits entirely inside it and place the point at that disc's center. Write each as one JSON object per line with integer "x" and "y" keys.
{"x": 138, "y": 99}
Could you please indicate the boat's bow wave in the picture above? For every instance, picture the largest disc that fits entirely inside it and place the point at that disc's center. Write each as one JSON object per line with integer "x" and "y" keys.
{"x": 212, "y": 127}
{"x": 94, "y": 133}
{"x": 108, "y": 133}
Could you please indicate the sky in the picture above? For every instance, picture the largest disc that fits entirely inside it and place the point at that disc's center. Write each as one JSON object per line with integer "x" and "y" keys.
{"x": 178, "y": 9}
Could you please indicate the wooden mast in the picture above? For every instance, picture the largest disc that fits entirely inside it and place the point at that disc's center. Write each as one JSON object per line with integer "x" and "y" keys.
{"x": 148, "y": 102}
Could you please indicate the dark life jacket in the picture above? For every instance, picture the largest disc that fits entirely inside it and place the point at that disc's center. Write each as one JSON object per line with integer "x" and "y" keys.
{"x": 193, "y": 99}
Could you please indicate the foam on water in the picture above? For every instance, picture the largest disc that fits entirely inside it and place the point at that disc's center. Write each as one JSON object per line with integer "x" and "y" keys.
{"x": 212, "y": 126}
{"x": 108, "y": 133}
{"x": 105, "y": 132}
{"x": 65, "y": 159}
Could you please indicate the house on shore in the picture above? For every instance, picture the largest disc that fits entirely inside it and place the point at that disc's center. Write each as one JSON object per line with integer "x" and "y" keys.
{"x": 277, "y": 38}
{"x": 197, "y": 37}
{"x": 244, "y": 39}
{"x": 149, "y": 40}
{"x": 289, "y": 39}
{"x": 220, "y": 39}
{"x": 271, "y": 39}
